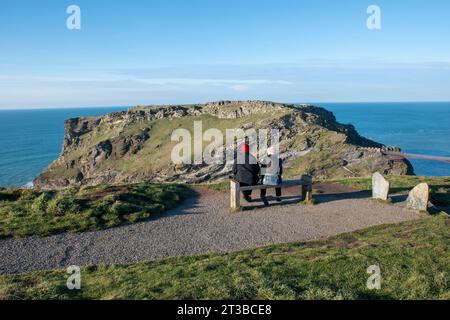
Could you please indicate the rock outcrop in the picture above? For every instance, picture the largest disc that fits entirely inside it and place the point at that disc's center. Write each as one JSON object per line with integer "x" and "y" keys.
{"x": 418, "y": 197}
{"x": 135, "y": 145}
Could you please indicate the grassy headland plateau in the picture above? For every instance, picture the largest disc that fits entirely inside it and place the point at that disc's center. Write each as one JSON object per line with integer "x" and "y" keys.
{"x": 136, "y": 145}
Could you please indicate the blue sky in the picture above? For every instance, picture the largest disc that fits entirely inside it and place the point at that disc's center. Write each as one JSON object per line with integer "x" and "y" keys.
{"x": 173, "y": 51}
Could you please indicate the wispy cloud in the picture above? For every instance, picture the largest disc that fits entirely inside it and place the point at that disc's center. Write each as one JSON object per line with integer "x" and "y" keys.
{"x": 364, "y": 80}
{"x": 196, "y": 81}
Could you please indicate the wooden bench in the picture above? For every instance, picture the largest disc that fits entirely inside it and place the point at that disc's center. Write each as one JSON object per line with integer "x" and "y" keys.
{"x": 305, "y": 182}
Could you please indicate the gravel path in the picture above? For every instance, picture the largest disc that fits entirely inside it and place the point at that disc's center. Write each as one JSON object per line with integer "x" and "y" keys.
{"x": 203, "y": 224}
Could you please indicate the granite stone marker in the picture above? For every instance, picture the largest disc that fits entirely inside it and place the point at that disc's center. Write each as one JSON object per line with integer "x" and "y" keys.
{"x": 418, "y": 197}
{"x": 380, "y": 187}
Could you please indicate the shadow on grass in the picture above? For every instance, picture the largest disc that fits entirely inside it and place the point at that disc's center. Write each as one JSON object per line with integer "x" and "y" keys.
{"x": 295, "y": 199}
{"x": 257, "y": 203}
{"x": 190, "y": 202}
{"x": 373, "y": 295}
{"x": 399, "y": 198}
{"x": 324, "y": 198}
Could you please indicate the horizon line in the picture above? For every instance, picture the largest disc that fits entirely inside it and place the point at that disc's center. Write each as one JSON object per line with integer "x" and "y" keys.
{"x": 199, "y": 103}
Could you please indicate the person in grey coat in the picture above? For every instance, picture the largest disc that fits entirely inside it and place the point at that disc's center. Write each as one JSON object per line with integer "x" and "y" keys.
{"x": 272, "y": 169}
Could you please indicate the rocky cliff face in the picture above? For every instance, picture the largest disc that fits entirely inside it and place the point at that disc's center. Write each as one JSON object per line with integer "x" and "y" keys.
{"x": 135, "y": 145}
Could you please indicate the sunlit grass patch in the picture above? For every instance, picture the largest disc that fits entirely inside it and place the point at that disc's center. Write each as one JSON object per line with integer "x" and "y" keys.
{"x": 29, "y": 212}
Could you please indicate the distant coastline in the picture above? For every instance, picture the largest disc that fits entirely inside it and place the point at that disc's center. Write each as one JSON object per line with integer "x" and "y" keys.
{"x": 318, "y": 103}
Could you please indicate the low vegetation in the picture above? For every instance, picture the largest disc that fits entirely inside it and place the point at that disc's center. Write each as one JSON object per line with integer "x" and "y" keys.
{"x": 28, "y": 212}
{"x": 440, "y": 186}
{"x": 413, "y": 257}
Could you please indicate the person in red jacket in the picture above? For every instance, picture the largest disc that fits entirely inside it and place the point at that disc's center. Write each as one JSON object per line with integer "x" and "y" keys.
{"x": 246, "y": 169}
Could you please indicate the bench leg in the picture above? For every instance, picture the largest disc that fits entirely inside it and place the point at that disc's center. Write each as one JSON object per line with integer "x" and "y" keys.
{"x": 308, "y": 195}
{"x": 235, "y": 201}
{"x": 306, "y": 192}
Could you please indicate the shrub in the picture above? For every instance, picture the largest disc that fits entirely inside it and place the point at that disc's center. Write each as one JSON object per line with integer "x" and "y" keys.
{"x": 63, "y": 205}
{"x": 40, "y": 203}
{"x": 120, "y": 208}
{"x": 110, "y": 220}
{"x": 137, "y": 216}
{"x": 104, "y": 205}
{"x": 29, "y": 195}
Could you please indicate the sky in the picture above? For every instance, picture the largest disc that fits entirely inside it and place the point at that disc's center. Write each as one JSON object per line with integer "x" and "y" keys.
{"x": 140, "y": 52}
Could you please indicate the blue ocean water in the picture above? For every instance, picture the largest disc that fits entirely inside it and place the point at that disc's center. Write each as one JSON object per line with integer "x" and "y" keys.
{"x": 31, "y": 139}
{"x": 418, "y": 128}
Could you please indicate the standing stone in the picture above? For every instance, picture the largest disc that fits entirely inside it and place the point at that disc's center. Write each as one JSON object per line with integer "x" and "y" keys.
{"x": 380, "y": 187}
{"x": 418, "y": 197}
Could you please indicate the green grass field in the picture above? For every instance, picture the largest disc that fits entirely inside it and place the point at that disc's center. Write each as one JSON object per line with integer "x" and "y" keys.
{"x": 414, "y": 258}
{"x": 27, "y": 212}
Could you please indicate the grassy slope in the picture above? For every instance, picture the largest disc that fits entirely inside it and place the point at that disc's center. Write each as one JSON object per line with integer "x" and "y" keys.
{"x": 414, "y": 259}
{"x": 29, "y": 212}
{"x": 440, "y": 186}
{"x": 326, "y": 158}
{"x": 156, "y": 153}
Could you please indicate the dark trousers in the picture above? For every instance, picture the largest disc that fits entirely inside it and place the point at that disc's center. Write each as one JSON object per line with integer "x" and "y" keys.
{"x": 277, "y": 192}
{"x": 249, "y": 192}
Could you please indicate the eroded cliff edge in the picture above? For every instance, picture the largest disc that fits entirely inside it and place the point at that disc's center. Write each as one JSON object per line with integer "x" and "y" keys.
{"x": 135, "y": 145}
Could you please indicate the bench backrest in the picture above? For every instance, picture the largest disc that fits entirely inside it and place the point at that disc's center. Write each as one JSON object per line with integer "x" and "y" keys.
{"x": 285, "y": 184}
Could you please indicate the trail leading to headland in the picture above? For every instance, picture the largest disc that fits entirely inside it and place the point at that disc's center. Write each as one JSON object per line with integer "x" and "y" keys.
{"x": 203, "y": 224}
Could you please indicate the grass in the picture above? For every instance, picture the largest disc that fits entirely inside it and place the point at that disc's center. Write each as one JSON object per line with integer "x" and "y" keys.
{"x": 440, "y": 186}
{"x": 29, "y": 212}
{"x": 414, "y": 259}
{"x": 311, "y": 202}
{"x": 156, "y": 152}
{"x": 324, "y": 160}
{"x": 217, "y": 186}
{"x": 388, "y": 201}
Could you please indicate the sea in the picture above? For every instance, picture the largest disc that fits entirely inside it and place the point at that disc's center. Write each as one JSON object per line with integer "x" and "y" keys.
{"x": 30, "y": 139}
